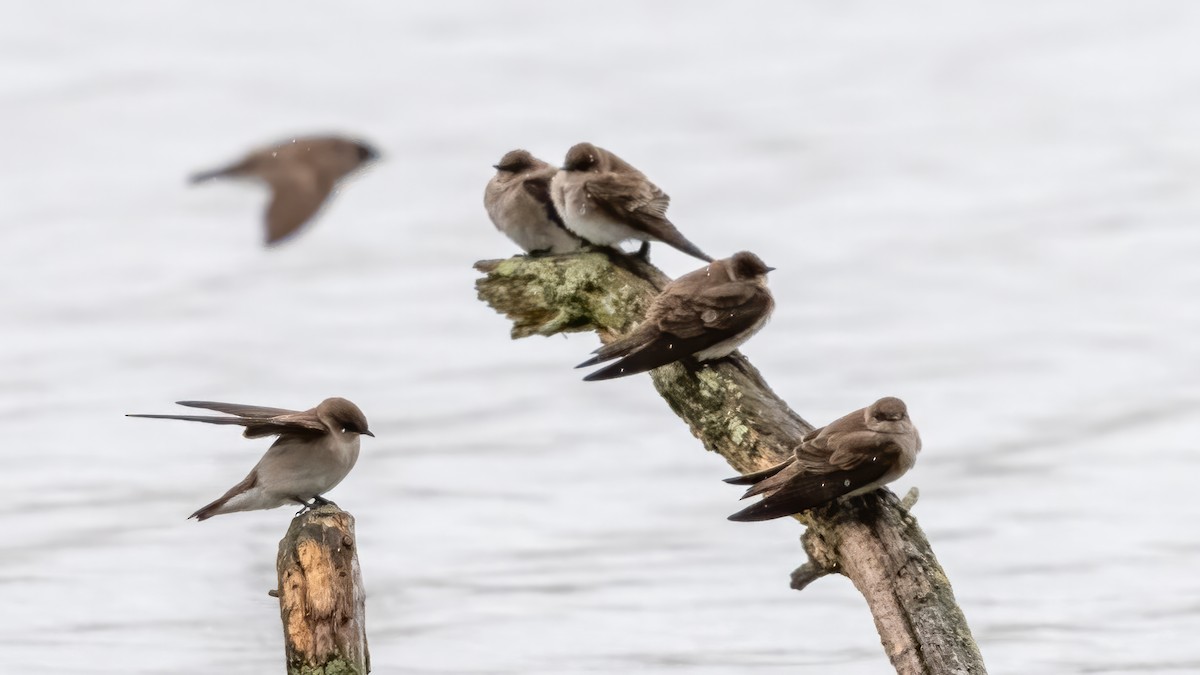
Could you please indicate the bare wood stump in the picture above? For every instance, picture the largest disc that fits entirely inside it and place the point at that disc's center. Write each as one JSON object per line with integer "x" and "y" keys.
{"x": 321, "y": 598}
{"x": 872, "y": 539}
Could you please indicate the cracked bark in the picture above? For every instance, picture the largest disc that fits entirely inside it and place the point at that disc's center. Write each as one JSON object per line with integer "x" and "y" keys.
{"x": 321, "y": 597}
{"x": 873, "y": 540}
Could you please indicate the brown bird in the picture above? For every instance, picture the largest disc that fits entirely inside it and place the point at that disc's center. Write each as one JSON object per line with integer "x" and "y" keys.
{"x": 315, "y": 450}
{"x": 518, "y": 201}
{"x": 850, "y": 456}
{"x": 704, "y": 314}
{"x": 603, "y": 199}
{"x": 301, "y": 173}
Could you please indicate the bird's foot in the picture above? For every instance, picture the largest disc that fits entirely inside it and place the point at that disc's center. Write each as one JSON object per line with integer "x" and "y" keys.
{"x": 693, "y": 365}
{"x": 318, "y": 500}
{"x": 643, "y": 252}
{"x": 305, "y": 506}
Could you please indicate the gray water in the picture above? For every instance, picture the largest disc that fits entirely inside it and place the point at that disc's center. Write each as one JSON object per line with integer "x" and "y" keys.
{"x": 988, "y": 211}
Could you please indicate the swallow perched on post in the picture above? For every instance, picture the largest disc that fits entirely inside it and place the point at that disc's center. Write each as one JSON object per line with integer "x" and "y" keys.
{"x": 315, "y": 450}
{"x": 301, "y": 173}
{"x": 603, "y": 199}
{"x": 704, "y": 314}
{"x": 518, "y": 201}
{"x": 850, "y": 456}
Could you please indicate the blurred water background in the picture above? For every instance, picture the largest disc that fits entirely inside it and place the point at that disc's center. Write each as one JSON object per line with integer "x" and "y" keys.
{"x": 990, "y": 211}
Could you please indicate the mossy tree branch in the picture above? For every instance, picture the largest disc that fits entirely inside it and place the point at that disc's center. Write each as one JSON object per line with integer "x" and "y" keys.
{"x": 872, "y": 539}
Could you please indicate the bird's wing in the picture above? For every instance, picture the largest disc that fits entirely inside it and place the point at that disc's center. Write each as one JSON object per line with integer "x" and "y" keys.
{"x": 689, "y": 324}
{"x": 538, "y": 187}
{"x": 675, "y": 301}
{"x": 805, "y": 491}
{"x": 725, "y": 308}
{"x": 641, "y": 336}
{"x": 627, "y": 195}
{"x": 631, "y": 199}
{"x": 298, "y": 424}
{"x": 258, "y": 421}
{"x": 759, "y": 476}
{"x": 296, "y": 195}
{"x": 239, "y": 409}
{"x": 841, "y": 444}
{"x": 209, "y": 419}
{"x": 660, "y": 351}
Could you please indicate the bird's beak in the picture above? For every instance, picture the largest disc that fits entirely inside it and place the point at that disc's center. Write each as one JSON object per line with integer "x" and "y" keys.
{"x": 496, "y": 167}
{"x": 770, "y": 269}
{"x": 368, "y": 433}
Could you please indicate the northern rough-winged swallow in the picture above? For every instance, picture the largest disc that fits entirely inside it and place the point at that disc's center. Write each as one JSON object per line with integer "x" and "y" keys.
{"x": 301, "y": 173}
{"x": 315, "y": 450}
{"x": 606, "y": 201}
{"x": 704, "y": 314}
{"x": 518, "y": 201}
{"x": 852, "y": 455}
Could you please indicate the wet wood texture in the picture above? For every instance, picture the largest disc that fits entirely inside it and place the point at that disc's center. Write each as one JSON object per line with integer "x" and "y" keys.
{"x": 321, "y": 597}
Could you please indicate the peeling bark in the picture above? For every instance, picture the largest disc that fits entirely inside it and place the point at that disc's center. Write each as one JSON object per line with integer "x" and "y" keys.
{"x": 873, "y": 539}
{"x": 321, "y": 598}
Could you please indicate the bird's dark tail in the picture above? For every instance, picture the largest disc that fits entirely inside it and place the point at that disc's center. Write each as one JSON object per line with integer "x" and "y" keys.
{"x": 214, "y": 508}
{"x": 210, "y": 510}
{"x": 615, "y": 349}
{"x": 766, "y": 510}
{"x": 757, "y": 476}
{"x": 663, "y": 350}
{"x": 202, "y": 176}
{"x": 208, "y": 419}
{"x": 637, "y": 362}
{"x": 205, "y": 176}
{"x": 680, "y": 243}
{"x": 792, "y": 492}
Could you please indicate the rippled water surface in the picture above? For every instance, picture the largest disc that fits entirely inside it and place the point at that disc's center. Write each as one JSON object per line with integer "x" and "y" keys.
{"x": 990, "y": 212}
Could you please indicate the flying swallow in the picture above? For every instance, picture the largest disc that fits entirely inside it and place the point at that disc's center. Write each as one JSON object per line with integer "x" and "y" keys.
{"x": 301, "y": 173}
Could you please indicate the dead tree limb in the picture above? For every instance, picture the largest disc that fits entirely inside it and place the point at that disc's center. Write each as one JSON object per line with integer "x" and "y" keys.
{"x": 321, "y": 598}
{"x": 872, "y": 539}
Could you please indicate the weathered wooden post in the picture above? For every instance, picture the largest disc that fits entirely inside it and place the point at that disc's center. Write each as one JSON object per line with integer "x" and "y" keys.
{"x": 321, "y": 598}
{"x": 873, "y": 539}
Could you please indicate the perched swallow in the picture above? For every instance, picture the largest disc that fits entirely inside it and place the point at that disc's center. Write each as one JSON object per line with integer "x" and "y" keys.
{"x": 852, "y": 455}
{"x": 301, "y": 173}
{"x": 518, "y": 201}
{"x": 705, "y": 314}
{"x": 606, "y": 201}
{"x": 315, "y": 450}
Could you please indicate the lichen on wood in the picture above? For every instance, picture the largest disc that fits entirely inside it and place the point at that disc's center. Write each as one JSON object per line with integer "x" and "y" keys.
{"x": 321, "y": 597}
{"x": 873, "y": 539}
